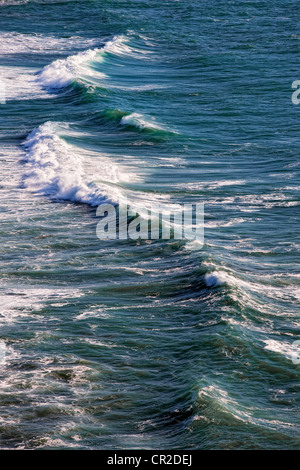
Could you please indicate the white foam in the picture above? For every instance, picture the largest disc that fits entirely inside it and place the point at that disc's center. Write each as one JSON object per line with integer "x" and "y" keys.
{"x": 219, "y": 278}
{"x": 22, "y": 303}
{"x": 57, "y": 168}
{"x": 12, "y": 2}
{"x": 119, "y": 46}
{"x": 135, "y": 88}
{"x": 63, "y": 72}
{"x": 288, "y": 350}
{"x": 18, "y": 43}
{"x": 196, "y": 186}
{"x": 20, "y": 83}
{"x": 255, "y": 202}
{"x": 228, "y": 223}
{"x": 235, "y": 405}
{"x": 138, "y": 120}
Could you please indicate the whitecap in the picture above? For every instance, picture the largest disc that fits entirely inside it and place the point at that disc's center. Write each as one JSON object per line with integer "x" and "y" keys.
{"x": 58, "y": 169}
{"x": 62, "y": 72}
{"x": 138, "y": 120}
{"x": 289, "y": 350}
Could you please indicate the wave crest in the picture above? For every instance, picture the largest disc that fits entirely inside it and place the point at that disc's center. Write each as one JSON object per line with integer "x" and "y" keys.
{"x": 56, "y": 168}
{"x": 62, "y": 72}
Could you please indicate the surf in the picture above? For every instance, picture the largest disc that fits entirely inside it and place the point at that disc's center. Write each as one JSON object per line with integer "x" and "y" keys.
{"x": 55, "y": 168}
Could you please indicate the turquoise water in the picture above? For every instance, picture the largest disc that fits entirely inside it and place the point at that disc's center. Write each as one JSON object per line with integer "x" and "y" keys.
{"x": 149, "y": 344}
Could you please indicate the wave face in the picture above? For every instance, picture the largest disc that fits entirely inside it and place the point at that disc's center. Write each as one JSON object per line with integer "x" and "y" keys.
{"x": 21, "y": 82}
{"x": 157, "y": 344}
{"x": 62, "y": 72}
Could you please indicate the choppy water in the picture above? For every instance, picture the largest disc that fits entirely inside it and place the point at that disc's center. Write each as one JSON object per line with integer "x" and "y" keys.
{"x": 149, "y": 344}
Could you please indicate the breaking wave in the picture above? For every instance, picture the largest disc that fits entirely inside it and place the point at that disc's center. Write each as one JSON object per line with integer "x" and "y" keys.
{"x": 57, "y": 168}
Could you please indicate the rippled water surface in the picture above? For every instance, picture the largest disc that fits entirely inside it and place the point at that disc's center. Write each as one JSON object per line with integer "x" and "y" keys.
{"x": 149, "y": 344}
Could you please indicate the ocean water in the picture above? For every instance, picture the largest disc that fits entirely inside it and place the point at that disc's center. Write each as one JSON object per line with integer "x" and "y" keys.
{"x": 149, "y": 344}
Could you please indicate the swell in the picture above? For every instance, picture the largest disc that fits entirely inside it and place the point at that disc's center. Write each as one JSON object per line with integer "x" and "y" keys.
{"x": 80, "y": 77}
{"x": 63, "y": 72}
{"x": 121, "y": 120}
{"x": 56, "y": 168}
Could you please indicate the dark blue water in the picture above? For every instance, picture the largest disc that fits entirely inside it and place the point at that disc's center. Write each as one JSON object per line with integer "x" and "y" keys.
{"x": 149, "y": 344}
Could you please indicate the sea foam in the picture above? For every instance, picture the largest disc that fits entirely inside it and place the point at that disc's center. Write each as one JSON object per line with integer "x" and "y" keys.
{"x": 58, "y": 169}
{"x": 13, "y": 42}
{"x": 219, "y": 278}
